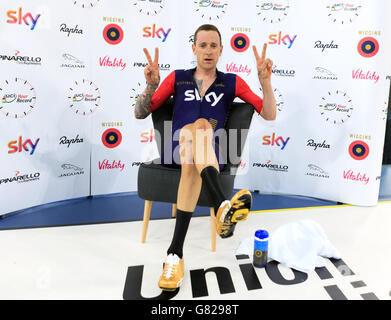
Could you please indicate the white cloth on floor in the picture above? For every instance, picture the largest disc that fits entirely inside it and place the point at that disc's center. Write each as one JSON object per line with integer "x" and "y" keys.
{"x": 299, "y": 245}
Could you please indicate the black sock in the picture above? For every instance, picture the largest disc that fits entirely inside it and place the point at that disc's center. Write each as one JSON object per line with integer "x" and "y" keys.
{"x": 209, "y": 176}
{"x": 181, "y": 225}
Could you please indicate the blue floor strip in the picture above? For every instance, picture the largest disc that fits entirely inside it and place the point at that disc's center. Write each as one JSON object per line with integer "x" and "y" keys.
{"x": 128, "y": 207}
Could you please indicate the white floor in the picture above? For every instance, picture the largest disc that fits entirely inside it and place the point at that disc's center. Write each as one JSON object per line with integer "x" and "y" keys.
{"x": 92, "y": 261}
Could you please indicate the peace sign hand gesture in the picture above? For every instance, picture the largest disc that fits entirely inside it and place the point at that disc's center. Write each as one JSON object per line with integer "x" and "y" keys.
{"x": 264, "y": 66}
{"x": 151, "y": 71}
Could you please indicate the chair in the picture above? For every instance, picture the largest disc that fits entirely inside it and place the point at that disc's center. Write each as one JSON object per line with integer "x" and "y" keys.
{"x": 159, "y": 183}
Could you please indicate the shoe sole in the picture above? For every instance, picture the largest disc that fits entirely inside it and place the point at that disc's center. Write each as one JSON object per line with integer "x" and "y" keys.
{"x": 172, "y": 289}
{"x": 242, "y": 198}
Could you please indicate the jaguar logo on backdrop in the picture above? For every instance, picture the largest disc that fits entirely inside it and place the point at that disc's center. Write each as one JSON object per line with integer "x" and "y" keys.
{"x": 18, "y": 98}
{"x": 272, "y": 11}
{"x": 315, "y": 171}
{"x": 210, "y": 9}
{"x": 321, "y": 73}
{"x": 83, "y": 97}
{"x": 70, "y": 170}
{"x": 70, "y": 61}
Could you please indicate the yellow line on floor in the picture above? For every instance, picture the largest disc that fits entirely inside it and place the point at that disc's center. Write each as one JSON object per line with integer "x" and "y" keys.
{"x": 304, "y": 208}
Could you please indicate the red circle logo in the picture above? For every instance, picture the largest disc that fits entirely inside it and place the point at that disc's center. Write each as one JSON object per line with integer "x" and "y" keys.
{"x": 240, "y": 42}
{"x": 358, "y": 150}
{"x": 111, "y": 138}
{"x": 368, "y": 47}
{"x": 113, "y": 33}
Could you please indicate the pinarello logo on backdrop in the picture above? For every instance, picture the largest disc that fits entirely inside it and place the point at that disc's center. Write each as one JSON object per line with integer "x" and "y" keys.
{"x": 358, "y": 150}
{"x": 155, "y": 32}
{"x": 368, "y": 47}
{"x": 113, "y": 34}
{"x": 21, "y": 17}
{"x": 111, "y": 138}
{"x": 240, "y": 42}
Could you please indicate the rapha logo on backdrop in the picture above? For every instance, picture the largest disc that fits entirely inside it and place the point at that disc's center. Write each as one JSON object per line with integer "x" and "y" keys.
{"x": 343, "y": 12}
{"x": 210, "y": 9}
{"x": 22, "y": 59}
{"x": 149, "y": 7}
{"x": 21, "y": 17}
{"x": 64, "y": 140}
{"x": 253, "y": 280}
{"x": 273, "y": 12}
{"x": 70, "y": 30}
{"x": 325, "y": 45}
{"x": 17, "y": 98}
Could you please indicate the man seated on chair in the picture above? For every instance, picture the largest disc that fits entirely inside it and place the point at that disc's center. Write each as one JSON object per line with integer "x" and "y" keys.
{"x": 203, "y": 96}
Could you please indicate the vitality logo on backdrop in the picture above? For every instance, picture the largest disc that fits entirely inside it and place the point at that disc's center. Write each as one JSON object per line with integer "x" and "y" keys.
{"x": 21, "y": 17}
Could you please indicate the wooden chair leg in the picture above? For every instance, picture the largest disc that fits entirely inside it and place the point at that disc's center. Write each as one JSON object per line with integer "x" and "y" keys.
{"x": 213, "y": 229}
{"x": 173, "y": 214}
{"x": 147, "y": 214}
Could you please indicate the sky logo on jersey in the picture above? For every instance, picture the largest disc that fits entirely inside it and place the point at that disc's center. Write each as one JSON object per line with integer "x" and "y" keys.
{"x": 154, "y": 32}
{"x": 281, "y": 39}
{"x": 18, "y": 17}
{"x": 275, "y": 141}
{"x": 210, "y": 97}
{"x": 20, "y": 145}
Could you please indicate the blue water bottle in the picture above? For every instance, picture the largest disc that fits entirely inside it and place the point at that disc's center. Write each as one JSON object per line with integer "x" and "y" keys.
{"x": 261, "y": 241}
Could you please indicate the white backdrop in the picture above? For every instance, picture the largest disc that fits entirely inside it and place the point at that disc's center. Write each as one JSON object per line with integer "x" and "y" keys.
{"x": 71, "y": 72}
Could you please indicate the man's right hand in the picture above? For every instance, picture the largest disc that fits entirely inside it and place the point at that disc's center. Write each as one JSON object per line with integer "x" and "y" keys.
{"x": 151, "y": 71}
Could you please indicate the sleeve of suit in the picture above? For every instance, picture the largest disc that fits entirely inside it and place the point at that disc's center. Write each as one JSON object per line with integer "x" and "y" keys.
{"x": 243, "y": 91}
{"x": 165, "y": 90}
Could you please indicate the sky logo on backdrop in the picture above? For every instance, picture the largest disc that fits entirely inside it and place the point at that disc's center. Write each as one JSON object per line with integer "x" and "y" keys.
{"x": 19, "y": 17}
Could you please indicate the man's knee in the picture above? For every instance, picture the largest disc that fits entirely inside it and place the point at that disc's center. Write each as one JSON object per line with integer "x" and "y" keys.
{"x": 202, "y": 124}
